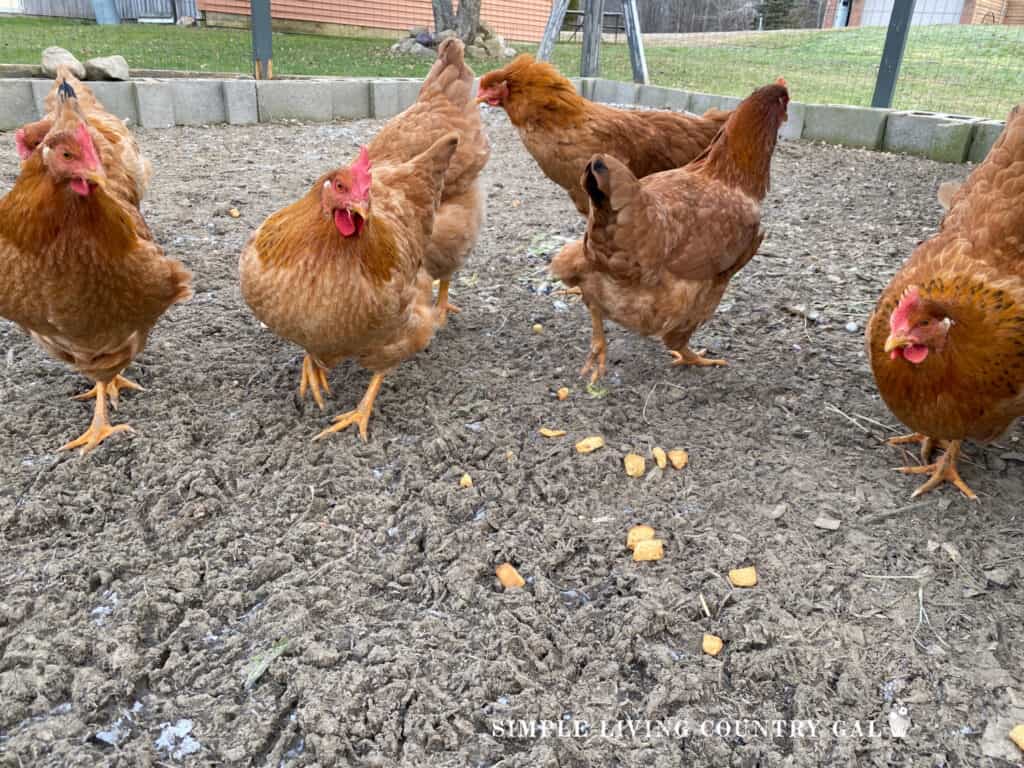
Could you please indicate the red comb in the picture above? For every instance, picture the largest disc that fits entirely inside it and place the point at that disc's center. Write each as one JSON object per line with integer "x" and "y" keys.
{"x": 361, "y": 176}
{"x": 900, "y": 317}
{"x": 89, "y": 154}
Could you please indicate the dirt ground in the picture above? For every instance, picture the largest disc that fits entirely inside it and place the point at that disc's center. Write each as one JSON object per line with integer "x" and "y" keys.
{"x": 146, "y": 587}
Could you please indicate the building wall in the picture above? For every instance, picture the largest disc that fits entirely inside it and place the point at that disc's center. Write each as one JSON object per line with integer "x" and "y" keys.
{"x": 513, "y": 19}
{"x": 974, "y": 12}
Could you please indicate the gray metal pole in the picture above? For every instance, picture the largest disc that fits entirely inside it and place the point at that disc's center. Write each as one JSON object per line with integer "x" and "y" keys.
{"x": 593, "y": 18}
{"x": 555, "y": 21}
{"x": 892, "y": 54}
{"x": 262, "y": 41}
{"x": 631, "y": 16}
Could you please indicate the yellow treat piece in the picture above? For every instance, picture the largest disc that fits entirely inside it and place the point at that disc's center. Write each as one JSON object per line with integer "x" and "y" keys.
{"x": 649, "y": 549}
{"x": 660, "y": 458}
{"x": 538, "y": 328}
{"x": 712, "y": 645}
{"x": 637, "y": 534}
{"x": 679, "y": 458}
{"x": 466, "y": 481}
{"x": 743, "y": 577}
{"x": 552, "y": 432}
{"x": 590, "y": 444}
{"x": 635, "y": 465}
{"x": 563, "y": 393}
{"x": 1017, "y": 736}
{"x": 234, "y": 213}
{"x": 509, "y": 576}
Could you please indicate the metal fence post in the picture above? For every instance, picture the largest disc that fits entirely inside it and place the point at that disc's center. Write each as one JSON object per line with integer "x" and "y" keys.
{"x": 593, "y": 20}
{"x": 262, "y": 41}
{"x": 555, "y": 21}
{"x": 892, "y": 54}
{"x": 631, "y": 17}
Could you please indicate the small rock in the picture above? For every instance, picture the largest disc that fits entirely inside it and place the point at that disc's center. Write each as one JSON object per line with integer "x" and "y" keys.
{"x": 486, "y": 30}
{"x": 425, "y": 38}
{"x": 186, "y": 21}
{"x": 55, "y": 56}
{"x": 852, "y": 327}
{"x": 418, "y": 49}
{"x": 107, "y": 68}
{"x": 494, "y": 47}
{"x": 827, "y": 523}
{"x": 776, "y": 512}
{"x": 1001, "y": 577}
{"x": 445, "y": 34}
{"x": 476, "y": 52}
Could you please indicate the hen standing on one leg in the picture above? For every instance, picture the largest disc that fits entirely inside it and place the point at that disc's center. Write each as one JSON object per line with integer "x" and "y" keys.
{"x": 81, "y": 271}
{"x": 445, "y": 104}
{"x": 339, "y": 272}
{"x": 946, "y": 341}
{"x": 659, "y": 252}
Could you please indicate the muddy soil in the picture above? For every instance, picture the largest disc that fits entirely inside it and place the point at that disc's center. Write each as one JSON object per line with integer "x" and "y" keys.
{"x": 219, "y": 590}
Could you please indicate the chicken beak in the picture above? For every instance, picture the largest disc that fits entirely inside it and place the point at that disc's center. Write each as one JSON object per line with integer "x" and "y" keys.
{"x": 481, "y": 99}
{"x": 895, "y": 342}
{"x": 360, "y": 209}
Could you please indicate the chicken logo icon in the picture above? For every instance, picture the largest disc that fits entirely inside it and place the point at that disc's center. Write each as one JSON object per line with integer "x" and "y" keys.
{"x": 899, "y": 721}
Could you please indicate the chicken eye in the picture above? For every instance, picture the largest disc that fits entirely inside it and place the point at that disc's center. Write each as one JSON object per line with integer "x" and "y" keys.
{"x": 67, "y": 155}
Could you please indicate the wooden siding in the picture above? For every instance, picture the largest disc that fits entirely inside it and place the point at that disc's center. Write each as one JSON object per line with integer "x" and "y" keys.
{"x": 129, "y": 9}
{"x": 513, "y": 19}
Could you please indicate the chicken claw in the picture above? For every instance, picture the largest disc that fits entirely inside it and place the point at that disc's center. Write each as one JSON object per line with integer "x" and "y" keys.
{"x": 113, "y": 389}
{"x": 598, "y": 357}
{"x": 928, "y": 444}
{"x": 443, "y": 306}
{"x": 361, "y": 415}
{"x": 314, "y": 378}
{"x": 943, "y": 470}
{"x": 100, "y": 429}
{"x": 689, "y": 357}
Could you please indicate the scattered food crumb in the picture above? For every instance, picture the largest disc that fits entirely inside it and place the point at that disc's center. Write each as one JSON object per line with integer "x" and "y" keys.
{"x": 712, "y": 644}
{"x": 548, "y": 432}
{"x": 660, "y": 457}
{"x": 234, "y": 213}
{"x": 590, "y": 444}
{"x": 743, "y": 577}
{"x": 637, "y": 534}
{"x": 649, "y": 549}
{"x": 509, "y": 576}
{"x": 466, "y": 481}
{"x": 635, "y": 465}
{"x": 538, "y": 328}
{"x": 1017, "y": 736}
{"x": 679, "y": 458}
{"x": 563, "y": 393}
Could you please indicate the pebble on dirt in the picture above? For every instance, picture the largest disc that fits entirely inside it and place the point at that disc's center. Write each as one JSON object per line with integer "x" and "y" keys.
{"x": 827, "y": 523}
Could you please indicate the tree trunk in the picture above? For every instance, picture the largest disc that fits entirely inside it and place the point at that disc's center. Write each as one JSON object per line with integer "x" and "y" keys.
{"x": 468, "y": 20}
{"x": 444, "y": 17}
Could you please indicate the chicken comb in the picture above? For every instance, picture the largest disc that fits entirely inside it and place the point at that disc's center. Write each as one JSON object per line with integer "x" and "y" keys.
{"x": 361, "y": 175}
{"x": 89, "y": 155}
{"x": 780, "y": 80}
{"x": 65, "y": 91}
{"x": 899, "y": 320}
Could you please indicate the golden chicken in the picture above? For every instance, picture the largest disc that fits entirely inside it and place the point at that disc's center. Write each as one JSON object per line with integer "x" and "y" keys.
{"x": 445, "y": 104}
{"x": 339, "y": 272}
{"x": 946, "y": 341}
{"x": 659, "y": 252}
{"x": 129, "y": 171}
{"x": 81, "y": 271}
{"x": 563, "y": 131}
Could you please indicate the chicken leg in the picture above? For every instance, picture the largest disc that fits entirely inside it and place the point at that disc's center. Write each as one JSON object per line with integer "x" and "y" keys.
{"x": 942, "y": 471}
{"x": 361, "y": 415}
{"x": 100, "y": 429}
{"x": 689, "y": 357}
{"x": 113, "y": 388}
{"x": 314, "y": 378}
{"x": 598, "y": 357}
{"x": 928, "y": 444}
{"x": 443, "y": 306}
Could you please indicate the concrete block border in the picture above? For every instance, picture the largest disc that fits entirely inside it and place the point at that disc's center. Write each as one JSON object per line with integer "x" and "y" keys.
{"x": 162, "y": 103}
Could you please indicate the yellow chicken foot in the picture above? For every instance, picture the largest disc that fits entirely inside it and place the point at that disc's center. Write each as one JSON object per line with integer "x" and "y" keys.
{"x": 942, "y": 471}
{"x": 689, "y": 357}
{"x": 928, "y": 444}
{"x": 443, "y": 306}
{"x": 113, "y": 389}
{"x": 577, "y": 291}
{"x": 314, "y": 378}
{"x": 100, "y": 428}
{"x": 361, "y": 415}
{"x": 598, "y": 357}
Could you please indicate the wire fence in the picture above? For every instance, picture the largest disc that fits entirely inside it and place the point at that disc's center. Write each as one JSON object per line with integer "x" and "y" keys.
{"x": 828, "y": 50}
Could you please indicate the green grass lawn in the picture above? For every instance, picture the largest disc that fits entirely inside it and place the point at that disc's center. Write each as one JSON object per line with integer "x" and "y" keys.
{"x": 974, "y": 70}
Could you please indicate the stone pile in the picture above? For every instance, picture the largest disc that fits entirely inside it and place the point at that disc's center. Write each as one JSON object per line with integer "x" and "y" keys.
{"x": 100, "y": 68}
{"x": 487, "y": 44}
